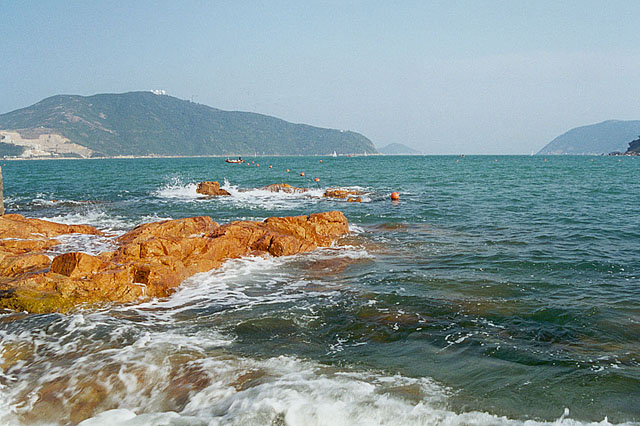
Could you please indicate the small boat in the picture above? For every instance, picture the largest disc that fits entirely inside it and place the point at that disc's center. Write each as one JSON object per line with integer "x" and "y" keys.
{"x": 238, "y": 161}
{"x": 334, "y": 154}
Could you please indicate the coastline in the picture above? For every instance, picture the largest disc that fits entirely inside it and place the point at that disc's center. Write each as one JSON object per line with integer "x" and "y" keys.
{"x": 135, "y": 157}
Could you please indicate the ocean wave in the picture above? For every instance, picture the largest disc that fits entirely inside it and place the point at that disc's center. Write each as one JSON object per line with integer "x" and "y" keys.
{"x": 176, "y": 189}
{"x": 90, "y": 244}
{"x": 95, "y": 217}
{"x": 150, "y": 363}
{"x": 253, "y": 198}
{"x": 247, "y": 282}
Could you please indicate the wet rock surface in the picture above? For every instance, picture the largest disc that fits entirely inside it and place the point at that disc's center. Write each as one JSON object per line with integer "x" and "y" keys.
{"x": 352, "y": 195}
{"x": 211, "y": 188}
{"x": 150, "y": 261}
{"x": 285, "y": 187}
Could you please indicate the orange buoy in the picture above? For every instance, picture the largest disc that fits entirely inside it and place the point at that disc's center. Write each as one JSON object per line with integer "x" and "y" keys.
{"x": 271, "y": 167}
{"x": 258, "y": 165}
{"x": 301, "y": 173}
{"x": 316, "y": 180}
{"x": 395, "y": 196}
{"x": 288, "y": 170}
{"x": 321, "y": 161}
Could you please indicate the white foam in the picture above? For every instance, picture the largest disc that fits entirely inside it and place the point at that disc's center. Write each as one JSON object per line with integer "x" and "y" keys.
{"x": 252, "y": 198}
{"x": 94, "y": 217}
{"x": 355, "y": 229}
{"x": 264, "y": 199}
{"x": 144, "y": 368}
{"x": 90, "y": 244}
{"x": 289, "y": 391}
{"x": 343, "y": 251}
{"x": 145, "y": 357}
{"x": 177, "y": 189}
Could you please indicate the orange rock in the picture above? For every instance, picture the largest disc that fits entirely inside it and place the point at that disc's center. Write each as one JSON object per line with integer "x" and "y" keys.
{"x": 284, "y": 187}
{"x": 15, "y": 246}
{"x": 15, "y": 265}
{"x": 178, "y": 228}
{"x": 340, "y": 193}
{"x": 18, "y": 226}
{"x": 354, "y": 200}
{"x": 211, "y": 188}
{"x": 75, "y": 264}
{"x": 154, "y": 258}
{"x": 319, "y": 228}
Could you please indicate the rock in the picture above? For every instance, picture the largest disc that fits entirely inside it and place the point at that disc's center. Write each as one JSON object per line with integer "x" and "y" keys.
{"x": 18, "y": 226}
{"x": 23, "y": 243}
{"x": 354, "y": 200}
{"x": 320, "y": 228}
{"x": 154, "y": 258}
{"x": 15, "y": 265}
{"x": 21, "y": 246}
{"x": 211, "y": 188}
{"x": 75, "y": 264}
{"x": 341, "y": 193}
{"x": 178, "y": 228}
{"x": 284, "y": 187}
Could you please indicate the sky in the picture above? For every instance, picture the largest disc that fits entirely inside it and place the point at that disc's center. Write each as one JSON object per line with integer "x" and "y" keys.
{"x": 444, "y": 77}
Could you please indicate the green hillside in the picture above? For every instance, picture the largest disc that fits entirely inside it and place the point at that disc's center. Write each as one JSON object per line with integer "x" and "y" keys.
{"x": 601, "y": 138}
{"x": 143, "y": 123}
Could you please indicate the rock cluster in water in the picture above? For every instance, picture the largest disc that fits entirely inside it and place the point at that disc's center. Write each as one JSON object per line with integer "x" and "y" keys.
{"x": 349, "y": 195}
{"x": 150, "y": 261}
{"x": 212, "y": 188}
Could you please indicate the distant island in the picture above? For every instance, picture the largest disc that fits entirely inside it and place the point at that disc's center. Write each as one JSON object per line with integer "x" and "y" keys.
{"x": 155, "y": 124}
{"x": 595, "y": 139}
{"x": 398, "y": 149}
{"x": 633, "y": 150}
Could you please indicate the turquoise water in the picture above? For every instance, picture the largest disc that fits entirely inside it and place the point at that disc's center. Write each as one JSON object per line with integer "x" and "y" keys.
{"x": 498, "y": 290}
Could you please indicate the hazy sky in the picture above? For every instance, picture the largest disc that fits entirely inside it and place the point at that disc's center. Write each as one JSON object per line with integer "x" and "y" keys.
{"x": 440, "y": 76}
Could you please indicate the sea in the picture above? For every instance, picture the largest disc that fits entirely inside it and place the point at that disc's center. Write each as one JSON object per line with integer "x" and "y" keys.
{"x": 498, "y": 290}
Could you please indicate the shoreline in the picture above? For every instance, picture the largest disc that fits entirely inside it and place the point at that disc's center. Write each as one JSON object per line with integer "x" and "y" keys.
{"x": 134, "y": 157}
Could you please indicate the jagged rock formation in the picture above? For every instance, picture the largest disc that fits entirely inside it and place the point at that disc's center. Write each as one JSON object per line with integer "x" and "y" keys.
{"x": 150, "y": 261}
{"x": 211, "y": 188}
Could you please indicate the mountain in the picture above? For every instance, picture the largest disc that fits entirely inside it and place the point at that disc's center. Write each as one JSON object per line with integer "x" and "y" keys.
{"x": 634, "y": 147}
{"x": 601, "y": 138}
{"x": 147, "y": 123}
{"x": 398, "y": 149}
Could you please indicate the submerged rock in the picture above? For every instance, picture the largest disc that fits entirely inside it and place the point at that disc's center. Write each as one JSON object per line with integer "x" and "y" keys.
{"x": 343, "y": 193}
{"x": 211, "y": 188}
{"x": 284, "y": 187}
{"x": 152, "y": 259}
